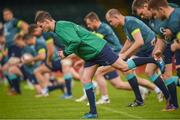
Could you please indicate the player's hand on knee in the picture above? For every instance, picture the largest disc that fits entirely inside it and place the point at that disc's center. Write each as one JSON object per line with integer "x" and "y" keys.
{"x": 157, "y": 54}
{"x": 123, "y": 56}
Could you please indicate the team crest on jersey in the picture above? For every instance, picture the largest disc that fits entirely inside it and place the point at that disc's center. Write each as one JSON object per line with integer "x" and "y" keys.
{"x": 152, "y": 24}
{"x": 161, "y": 30}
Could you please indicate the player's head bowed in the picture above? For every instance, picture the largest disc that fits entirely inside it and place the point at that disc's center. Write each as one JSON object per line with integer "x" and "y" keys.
{"x": 44, "y": 20}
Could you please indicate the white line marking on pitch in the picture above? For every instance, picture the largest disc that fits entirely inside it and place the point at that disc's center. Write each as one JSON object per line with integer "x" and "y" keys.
{"x": 120, "y": 112}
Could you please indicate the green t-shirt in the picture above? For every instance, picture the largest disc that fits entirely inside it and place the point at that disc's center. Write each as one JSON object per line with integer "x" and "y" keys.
{"x": 78, "y": 40}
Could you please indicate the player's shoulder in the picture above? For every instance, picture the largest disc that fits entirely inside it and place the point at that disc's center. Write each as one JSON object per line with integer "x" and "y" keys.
{"x": 47, "y": 35}
{"x": 175, "y": 15}
{"x": 13, "y": 21}
{"x": 40, "y": 41}
{"x": 131, "y": 20}
{"x": 177, "y": 10}
{"x": 174, "y": 5}
{"x": 105, "y": 25}
{"x": 16, "y": 20}
{"x": 62, "y": 22}
{"x": 64, "y": 25}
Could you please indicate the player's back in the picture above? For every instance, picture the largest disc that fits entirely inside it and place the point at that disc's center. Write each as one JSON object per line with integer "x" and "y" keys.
{"x": 174, "y": 22}
{"x": 132, "y": 25}
{"x": 110, "y": 37}
{"x": 10, "y": 30}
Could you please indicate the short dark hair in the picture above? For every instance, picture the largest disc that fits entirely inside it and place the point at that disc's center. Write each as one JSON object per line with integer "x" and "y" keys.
{"x": 138, "y": 4}
{"x": 91, "y": 16}
{"x": 32, "y": 28}
{"x": 7, "y": 9}
{"x": 27, "y": 37}
{"x": 18, "y": 37}
{"x": 41, "y": 16}
{"x": 154, "y": 4}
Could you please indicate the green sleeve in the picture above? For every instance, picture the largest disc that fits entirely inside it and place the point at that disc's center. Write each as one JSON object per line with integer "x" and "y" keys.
{"x": 73, "y": 41}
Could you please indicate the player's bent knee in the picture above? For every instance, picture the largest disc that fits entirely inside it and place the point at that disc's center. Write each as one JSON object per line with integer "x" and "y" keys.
{"x": 12, "y": 70}
{"x": 167, "y": 75}
{"x": 85, "y": 80}
{"x": 149, "y": 72}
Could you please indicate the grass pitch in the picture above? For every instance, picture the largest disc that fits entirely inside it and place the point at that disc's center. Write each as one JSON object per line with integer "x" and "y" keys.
{"x": 26, "y": 106}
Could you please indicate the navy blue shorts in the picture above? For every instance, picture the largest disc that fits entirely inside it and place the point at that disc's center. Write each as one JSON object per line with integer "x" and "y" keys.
{"x": 111, "y": 75}
{"x": 24, "y": 72}
{"x": 33, "y": 80}
{"x": 177, "y": 57}
{"x": 106, "y": 57}
{"x": 145, "y": 53}
{"x": 14, "y": 51}
{"x": 168, "y": 54}
{"x": 56, "y": 65}
{"x": 29, "y": 76}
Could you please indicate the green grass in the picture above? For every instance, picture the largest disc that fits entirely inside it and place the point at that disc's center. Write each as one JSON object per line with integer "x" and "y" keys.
{"x": 27, "y": 106}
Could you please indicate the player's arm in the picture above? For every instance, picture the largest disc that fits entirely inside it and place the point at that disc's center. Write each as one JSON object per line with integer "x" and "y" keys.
{"x": 79, "y": 62}
{"x": 126, "y": 46}
{"x": 76, "y": 75}
{"x": 167, "y": 33}
{"x": 39, "y": 57}
{"x": 72, "y": 47}
{"x": 138, "y": 42}
{"x": 73, "y": 40}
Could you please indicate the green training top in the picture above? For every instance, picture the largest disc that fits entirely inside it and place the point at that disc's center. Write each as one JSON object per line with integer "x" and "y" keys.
{"x": 78, "y": 40}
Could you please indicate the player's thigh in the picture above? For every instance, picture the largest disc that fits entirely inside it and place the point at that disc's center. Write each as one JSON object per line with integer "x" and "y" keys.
{"x": 129, "y": 72}
{"x": 42, "y": 69}
{"x": 15, "y": 70}
{"x": 150, "y": 69}
{"x": 104, "y": 69}
{"x": 120, "y": 64}
{"x": 88, "y": 73}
